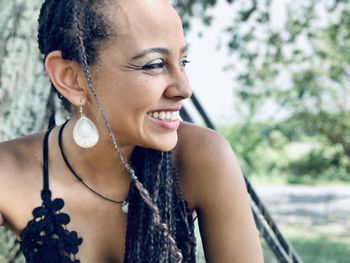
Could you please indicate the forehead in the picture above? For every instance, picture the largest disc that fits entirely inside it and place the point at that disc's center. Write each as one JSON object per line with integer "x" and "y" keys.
{"x": 142, "y": 23}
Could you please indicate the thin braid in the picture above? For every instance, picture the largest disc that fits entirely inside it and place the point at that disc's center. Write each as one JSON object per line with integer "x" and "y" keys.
{"x": 186, "y": 223}
{"x": 157, "y": 181}
{"x": 165, "y": 202}
{"x": 169, "y": 195}
{"x": 91, "y": 85}
{"x": 154, "y": 184}
{"x": 159, "y": 227}
{"x": 158, "y": 251}
{"x": 156, "y": 219}
{"x": 154, "y": 240}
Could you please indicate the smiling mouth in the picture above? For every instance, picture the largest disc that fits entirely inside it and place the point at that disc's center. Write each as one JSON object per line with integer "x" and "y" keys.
{"x": 165, "y": 115}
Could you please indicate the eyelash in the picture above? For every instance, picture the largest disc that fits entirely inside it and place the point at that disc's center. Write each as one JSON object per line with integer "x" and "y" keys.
{"x": 184, "y": 62}
{"x": 160, "y": 65}
{"x": 153, "y": 66}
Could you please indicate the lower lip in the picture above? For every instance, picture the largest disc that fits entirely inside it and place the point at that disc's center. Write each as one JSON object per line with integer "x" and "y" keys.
{"x": 169, "y": 125}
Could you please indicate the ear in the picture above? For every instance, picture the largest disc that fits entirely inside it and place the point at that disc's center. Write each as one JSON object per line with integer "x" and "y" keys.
{"x": 66, "y": 77}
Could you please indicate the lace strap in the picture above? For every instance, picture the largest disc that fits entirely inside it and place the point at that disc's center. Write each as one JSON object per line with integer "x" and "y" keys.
{"x": 46, "y": 163}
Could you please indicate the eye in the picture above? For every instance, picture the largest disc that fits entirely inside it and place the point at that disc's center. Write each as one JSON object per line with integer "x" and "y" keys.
{"x": 155, "y": 66}
{"x": 184, "y": 62}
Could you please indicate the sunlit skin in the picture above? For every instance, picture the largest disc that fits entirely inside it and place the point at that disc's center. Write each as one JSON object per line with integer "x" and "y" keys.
{"x": 143, "y": 70}
{"x": 139, "y": 71}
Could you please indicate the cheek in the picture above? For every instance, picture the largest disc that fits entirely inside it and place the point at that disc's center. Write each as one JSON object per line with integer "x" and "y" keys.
{"x": 126, "y": 111}
{"x": 131, "y": 98}
{"x": 140, "y": 96}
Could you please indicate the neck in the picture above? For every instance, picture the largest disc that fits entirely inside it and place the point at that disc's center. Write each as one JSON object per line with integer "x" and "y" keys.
{"x": 101, "y": 164}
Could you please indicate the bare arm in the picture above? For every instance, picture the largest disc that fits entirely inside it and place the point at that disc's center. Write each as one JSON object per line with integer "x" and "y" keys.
{"x": 4, "y": 163}
{"x": 216, "y": 186}
{"x": 20, "y": 167}
{"x": 2, "y": 181}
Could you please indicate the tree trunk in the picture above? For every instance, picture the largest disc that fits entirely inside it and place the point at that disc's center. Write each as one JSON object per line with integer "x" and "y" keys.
{"x": 24, "y": 88}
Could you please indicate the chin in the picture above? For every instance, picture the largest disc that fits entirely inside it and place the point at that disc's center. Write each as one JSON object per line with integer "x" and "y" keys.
{"x": 167, "y": 148}
{"x": 164, "y": 145}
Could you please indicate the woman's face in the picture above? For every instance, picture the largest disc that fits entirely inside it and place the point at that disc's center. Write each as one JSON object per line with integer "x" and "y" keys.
{"x": 141, "y": 77}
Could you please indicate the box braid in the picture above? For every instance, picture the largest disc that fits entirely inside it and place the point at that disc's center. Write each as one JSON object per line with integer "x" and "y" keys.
{"x": 163, "y": 184}
{"x": 160, "y": 227}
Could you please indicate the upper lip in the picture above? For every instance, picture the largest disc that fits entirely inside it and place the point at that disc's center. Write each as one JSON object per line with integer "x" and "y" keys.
{"x": 168, "y": 108}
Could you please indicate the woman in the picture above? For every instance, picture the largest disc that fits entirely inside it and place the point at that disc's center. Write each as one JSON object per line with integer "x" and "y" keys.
{"x": 124, "y": 164}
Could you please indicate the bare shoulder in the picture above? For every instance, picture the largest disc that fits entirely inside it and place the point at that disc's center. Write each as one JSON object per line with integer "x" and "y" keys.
{"x": 204, "y": 156}
{"x": 17, "y": 159}
{"x": 191, "y": 133}
{"x": 214, "y": 186}
{"x": 202, "y": 142}
{"x": 14, "y": 153}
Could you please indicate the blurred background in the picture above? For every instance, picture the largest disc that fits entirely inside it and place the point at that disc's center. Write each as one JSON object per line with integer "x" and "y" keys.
{"x": 273, "y": 75}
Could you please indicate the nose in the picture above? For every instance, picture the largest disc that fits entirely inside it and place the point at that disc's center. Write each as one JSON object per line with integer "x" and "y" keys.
{"x": 178, "y": 86}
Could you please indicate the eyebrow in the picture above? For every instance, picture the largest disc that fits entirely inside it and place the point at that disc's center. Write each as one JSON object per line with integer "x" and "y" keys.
{"x": 160, "y": 50}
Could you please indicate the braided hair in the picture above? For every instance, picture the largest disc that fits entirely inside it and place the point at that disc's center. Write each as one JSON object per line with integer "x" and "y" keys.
{"x": 160, "y": 227}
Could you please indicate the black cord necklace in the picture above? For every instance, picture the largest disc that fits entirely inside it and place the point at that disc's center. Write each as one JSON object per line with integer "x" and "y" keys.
{"x": 124, "y": 204}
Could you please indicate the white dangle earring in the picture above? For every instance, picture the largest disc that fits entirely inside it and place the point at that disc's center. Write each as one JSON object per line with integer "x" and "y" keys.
{"x": 85, "y": 133}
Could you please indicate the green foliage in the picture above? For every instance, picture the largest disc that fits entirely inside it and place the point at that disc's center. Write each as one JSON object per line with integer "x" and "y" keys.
{"x": 246, "y": 139}
{"x": 301, "y": 65}
{"x": 285, "y": 151}
{"x": 321, "y": 163}
{"x": 188, "y": 9}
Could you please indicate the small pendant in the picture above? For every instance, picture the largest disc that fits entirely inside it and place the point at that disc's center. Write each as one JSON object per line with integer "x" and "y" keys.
{"x": 125, "y": 207}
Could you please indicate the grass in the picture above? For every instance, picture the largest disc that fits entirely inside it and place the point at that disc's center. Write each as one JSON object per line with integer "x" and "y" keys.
{"x": 311, "y": 246}
{"x": 315, "y": 247}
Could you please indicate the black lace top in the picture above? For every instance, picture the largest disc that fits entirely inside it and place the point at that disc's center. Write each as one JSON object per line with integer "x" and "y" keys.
{"x": 46, "y": 238}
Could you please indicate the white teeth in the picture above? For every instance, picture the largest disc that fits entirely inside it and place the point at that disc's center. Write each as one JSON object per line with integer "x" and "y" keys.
{"x": 169, "y": 115}
{"x": 162, "y": 115}
{"x": 174, "y": 115}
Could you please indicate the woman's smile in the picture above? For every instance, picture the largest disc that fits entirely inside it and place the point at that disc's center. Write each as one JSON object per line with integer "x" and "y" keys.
{"x": 166, "y": 118}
